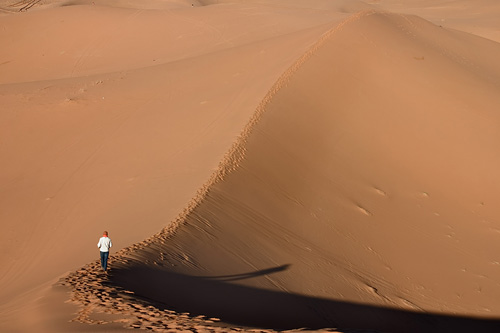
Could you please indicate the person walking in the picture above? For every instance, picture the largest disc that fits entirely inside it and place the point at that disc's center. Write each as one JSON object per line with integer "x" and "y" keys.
{"x": 104, "y": 245}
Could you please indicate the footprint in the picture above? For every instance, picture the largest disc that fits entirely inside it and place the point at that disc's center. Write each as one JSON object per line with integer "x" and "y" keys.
{"x": 379, "y": 191}
{"x": 363, "y": 210}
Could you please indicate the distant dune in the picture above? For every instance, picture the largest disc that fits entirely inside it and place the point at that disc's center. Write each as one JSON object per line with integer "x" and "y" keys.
{"x": 330, "y": 165}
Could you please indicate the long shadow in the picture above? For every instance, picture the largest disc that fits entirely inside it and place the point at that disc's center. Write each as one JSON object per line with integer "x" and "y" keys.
{"x": 253, "y": 307}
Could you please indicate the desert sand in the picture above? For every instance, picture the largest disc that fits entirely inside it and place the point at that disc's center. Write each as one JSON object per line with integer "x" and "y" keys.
{"x": 260, "y": 165}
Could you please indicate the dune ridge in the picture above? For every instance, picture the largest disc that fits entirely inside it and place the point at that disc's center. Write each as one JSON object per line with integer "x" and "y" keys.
{"x": 192, "y": 248}
{"x": 232, "y": 159}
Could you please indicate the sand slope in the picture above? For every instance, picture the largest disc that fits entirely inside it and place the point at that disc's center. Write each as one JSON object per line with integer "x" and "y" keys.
{"x": 359, "y": 194}
{"x": 370, "y": 179}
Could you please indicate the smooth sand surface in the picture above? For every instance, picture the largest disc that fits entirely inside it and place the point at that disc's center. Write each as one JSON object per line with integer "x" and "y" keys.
{"x": 259, "y": 164}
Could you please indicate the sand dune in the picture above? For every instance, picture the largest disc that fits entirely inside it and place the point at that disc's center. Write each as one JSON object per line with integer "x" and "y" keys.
{"x": 371, "y": 183}
{"x": 351, "y": 155}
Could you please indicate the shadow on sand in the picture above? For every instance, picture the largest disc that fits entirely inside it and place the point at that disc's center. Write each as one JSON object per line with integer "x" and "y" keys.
{"x": 241, "y": 305}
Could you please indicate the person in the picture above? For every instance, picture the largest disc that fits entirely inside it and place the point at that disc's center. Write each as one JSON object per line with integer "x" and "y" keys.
{"x": 104, "y": 245}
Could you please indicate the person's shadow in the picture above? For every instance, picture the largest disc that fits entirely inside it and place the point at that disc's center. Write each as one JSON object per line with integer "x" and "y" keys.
{"x": 217, "y": 296}
{"x": 236, "y": 277}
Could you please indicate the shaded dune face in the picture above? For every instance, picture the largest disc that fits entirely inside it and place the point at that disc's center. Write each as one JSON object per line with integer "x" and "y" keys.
{"x": 365, "y": 197}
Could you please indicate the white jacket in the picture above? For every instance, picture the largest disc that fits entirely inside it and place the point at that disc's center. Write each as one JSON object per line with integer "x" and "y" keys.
{"x": 104, "y": 244}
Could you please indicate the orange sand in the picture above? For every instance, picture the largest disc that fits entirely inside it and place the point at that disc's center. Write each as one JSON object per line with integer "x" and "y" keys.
{"x": 267, "y": 164}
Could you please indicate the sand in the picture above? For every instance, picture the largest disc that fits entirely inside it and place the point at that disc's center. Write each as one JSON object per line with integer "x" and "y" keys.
{"x": 260, "y": 165}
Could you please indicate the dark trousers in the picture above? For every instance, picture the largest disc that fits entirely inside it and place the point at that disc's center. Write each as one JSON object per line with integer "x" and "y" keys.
{"x": 104, "y": 260}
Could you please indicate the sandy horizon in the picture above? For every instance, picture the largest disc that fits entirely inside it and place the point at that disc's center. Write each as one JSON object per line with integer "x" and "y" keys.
{"x": 260, "y": 165}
